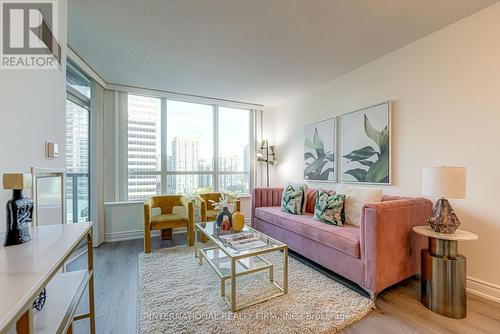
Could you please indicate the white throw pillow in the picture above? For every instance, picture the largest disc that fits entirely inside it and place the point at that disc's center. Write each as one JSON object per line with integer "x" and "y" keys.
{"x": 355, "y": 200}
{"x": 297, "y": 186}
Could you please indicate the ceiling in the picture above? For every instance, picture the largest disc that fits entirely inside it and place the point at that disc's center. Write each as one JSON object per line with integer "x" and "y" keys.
{"x": 255, "y": 51}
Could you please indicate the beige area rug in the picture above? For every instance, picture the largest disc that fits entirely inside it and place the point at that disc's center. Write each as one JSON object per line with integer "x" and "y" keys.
{"x": 176, "y": 295}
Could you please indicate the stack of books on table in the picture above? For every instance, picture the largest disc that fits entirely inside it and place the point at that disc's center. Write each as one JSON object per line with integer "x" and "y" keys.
{"x": 243, "y": 241}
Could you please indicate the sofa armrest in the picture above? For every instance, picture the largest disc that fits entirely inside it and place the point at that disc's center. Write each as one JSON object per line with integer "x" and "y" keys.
{"x": 389, "y": 247}
{"x": 262, "y": 197}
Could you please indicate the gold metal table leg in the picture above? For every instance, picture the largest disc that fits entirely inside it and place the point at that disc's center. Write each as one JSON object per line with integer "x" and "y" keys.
{"x": 285, "y": 270}
{"x": 233, "y": 285}
{"x": 223, "y": 287}
{"x": 196, "y": 250}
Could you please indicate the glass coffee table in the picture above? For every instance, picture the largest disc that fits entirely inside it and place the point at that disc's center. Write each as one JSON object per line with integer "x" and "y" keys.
{"x": 231, "y": 262}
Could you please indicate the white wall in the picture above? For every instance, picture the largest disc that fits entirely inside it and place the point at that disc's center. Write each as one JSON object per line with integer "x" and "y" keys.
{"x": 32, "y": 110}
{"x": 446, "y": 89}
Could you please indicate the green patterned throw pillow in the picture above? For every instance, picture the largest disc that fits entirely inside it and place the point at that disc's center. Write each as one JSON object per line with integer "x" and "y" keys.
{"x": 291, "y": 201}
{"x": 329, "y": 208}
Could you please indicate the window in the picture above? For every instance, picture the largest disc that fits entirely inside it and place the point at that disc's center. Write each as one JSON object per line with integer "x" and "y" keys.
{"x": 178, "y": 147}
{"x": 190, "y": 147}
{"x": 77, "y": 145}
{"x": 234, "y": 141}
{"x": 144, "y": 146}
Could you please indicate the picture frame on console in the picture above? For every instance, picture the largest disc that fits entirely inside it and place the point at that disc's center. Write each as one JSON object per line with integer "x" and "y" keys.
{"x": 366, "y": 145}
{"x": 320, "y": 150}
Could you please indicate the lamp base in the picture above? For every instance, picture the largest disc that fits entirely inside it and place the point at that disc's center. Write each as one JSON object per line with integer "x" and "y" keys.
{"x": 444, "y": 219}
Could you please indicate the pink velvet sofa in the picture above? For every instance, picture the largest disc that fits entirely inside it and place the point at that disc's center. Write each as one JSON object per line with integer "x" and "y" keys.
{"x": 381, "y": 252}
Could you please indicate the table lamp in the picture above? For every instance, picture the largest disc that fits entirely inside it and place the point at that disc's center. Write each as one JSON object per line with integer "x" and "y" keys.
{"x": 444, "y": 182}
{"x": 19, "y": 209}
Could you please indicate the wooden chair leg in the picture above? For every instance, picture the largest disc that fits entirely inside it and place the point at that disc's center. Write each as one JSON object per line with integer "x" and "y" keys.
{"x": 166, "y": 234}
{"x": 147, "y": 239}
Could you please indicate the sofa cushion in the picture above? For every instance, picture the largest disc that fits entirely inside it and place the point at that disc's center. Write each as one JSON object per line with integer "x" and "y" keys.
{"x": 292, "y": 200}
{"x": 329, "y": 209}
{"x": 355, "y": 200}
{"x": 299, "y": 186}
{"x": 342, "y": 238}
{"x": 311, "y": 199}
{"x": 167, "y": 220}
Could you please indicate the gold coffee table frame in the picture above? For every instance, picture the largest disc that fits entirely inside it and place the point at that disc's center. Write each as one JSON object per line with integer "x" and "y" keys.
{"x": 239, "y": 262}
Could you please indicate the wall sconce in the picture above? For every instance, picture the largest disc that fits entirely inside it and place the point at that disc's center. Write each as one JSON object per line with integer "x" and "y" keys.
{"x": 267, "y": 155}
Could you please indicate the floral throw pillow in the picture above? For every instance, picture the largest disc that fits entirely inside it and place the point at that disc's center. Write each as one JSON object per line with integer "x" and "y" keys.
{"x": 291, "y": 201}
{"x": 329, "y": 208}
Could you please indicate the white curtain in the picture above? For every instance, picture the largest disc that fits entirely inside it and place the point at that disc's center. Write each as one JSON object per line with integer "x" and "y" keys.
{"x": 97, "y": 163}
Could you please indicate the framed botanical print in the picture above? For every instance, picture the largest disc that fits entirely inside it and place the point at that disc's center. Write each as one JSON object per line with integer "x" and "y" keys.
{"x": 320, "y": 150}
{"x": 365, "y": 145}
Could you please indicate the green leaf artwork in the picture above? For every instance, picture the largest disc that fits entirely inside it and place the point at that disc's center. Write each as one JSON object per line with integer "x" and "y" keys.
{"x": 318, "y": 163}
{"x": 374, "y": 158}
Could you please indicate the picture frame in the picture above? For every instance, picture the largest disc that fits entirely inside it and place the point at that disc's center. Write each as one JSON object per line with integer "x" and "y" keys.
{"x": 366, "y": 145}
{"x": 320, "y": 150}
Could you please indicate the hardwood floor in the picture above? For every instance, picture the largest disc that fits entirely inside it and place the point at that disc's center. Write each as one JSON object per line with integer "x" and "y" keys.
{"x": 398, "y": 308}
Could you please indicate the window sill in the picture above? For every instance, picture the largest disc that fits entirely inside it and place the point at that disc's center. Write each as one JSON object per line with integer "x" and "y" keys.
{"x": 118, "y": 203}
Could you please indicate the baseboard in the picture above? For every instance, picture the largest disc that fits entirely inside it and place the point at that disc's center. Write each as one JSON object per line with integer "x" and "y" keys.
{"x": 483, "y": 289}
{"x": 139, "y": 234}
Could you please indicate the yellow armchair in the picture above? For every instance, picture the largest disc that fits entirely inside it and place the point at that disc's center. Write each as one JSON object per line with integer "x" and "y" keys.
{"x": 207, "y": 211}
{"x": 167, "y": 220}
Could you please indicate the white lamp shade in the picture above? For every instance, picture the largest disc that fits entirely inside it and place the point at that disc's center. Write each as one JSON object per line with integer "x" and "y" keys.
{"x": 444, "y": 181}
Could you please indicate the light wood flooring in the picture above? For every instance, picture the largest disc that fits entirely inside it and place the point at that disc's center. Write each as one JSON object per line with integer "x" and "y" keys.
{"x": 398, "y": 308}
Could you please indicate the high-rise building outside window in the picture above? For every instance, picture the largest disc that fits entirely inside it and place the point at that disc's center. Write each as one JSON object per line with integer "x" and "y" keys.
{"x": 184, "y": 150}
{"x": 144, "y": 146}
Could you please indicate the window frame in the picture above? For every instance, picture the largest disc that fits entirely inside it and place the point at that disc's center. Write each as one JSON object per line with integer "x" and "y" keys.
{"x": 83, "y": 101}
{"x": 215, "y": 173}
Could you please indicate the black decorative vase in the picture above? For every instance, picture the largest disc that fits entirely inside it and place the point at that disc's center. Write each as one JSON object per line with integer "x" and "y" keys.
{"x": 224, "y": 212}
{"x": 19, "y": 218}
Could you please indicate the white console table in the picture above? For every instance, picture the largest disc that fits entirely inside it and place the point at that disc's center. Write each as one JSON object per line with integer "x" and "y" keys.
{"x": 28, "y": 268}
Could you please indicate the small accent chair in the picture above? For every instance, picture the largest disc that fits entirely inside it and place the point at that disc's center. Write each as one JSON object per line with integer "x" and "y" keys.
{"x": 207, "y": 210}
{"x": 167, "y": 219}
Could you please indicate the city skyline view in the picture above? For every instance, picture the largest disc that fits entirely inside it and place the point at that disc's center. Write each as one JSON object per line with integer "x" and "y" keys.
{"x": 189, "y": 148}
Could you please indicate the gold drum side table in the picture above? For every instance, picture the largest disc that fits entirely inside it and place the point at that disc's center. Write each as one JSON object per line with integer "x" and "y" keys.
{"x": 443, "y": 272}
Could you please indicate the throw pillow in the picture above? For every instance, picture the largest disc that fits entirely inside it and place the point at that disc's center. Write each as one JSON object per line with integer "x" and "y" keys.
{"x": 297, "y": 186}
{"x": 291, "y": 201}
{"x": 355, "y": 200}
{"x": 329, "y": 208}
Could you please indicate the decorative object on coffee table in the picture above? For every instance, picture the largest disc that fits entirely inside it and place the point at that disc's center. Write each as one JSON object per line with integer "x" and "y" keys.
{"x": 19, "y": 209}
{"x": 444, "y": 182}
{"x": 238, "y": 221}
{"x": 226, "y": 224}
{"x": 443, "y": 272}
{"x": 222, "y": 206}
